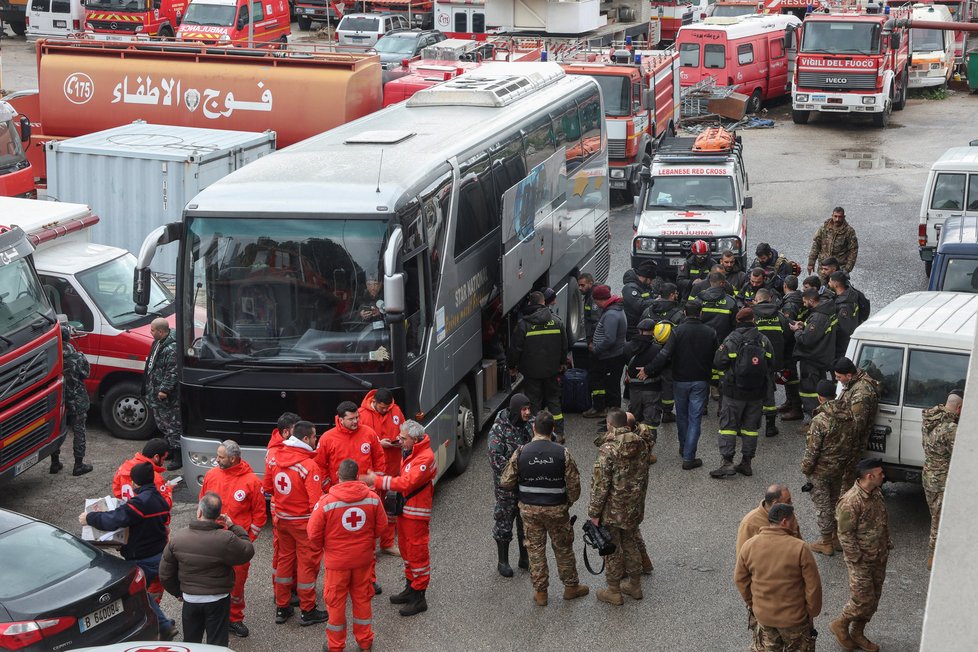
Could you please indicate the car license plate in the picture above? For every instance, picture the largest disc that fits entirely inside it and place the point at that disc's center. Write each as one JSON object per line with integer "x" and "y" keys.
{"x": 877, "y": 439}
{"x": 818, "y": 98}
{"x": 25, "y": 463}
{"x": 98, "y": 617}
{"x": 619, "y": 184}
{"x": 676, "y": 262}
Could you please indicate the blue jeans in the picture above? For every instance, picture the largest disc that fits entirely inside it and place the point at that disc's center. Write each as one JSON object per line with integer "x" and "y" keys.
{"x": 151, "y": 567}
{"x": 690, "y": 398}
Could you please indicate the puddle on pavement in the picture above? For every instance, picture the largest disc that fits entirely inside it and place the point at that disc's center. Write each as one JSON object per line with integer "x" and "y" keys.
{"x": 862, "y": 161}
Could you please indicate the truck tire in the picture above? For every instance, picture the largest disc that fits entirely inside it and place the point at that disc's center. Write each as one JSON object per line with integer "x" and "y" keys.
{"x": 304, "y": 23}
{"x": 465, "y": 431}
{"x": 800, "y": 117}
{"x": 928, "y": 264}
{"x": 635, "y": 187}
{"x": 19, "y": 26}
{"x": 166, "y": 33}
{"x": 754, "y": 103}
{"x": 901, "y": 100}
{"x": 125, "y": 412}
{"x": 882, "y": 119}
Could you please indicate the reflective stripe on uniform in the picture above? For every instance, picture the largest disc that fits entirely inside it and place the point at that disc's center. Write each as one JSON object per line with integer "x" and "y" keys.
{"x": 549, "y": 331}
{"x": 362, "y": 621}
{"x": 542, "y": 490}
{"x": 749, "y": 433}
{"x": 807, "y": 395}
{"x": 558, "y": 417}
{"x": 340, "y": 504}
{"x": 282, "y": 580}
{"x": 307, "y": 585}
{"x": 728, "y": 432}
{"x": 336, "y": 628}
{"x": 723, "y": 311}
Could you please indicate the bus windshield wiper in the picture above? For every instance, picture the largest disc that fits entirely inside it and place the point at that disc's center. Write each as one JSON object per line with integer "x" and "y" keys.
{"x": 224, "y": 374}
{"x": 366, "y": 384}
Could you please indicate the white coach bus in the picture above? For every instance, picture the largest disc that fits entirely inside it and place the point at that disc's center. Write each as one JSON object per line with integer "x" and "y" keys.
{"x": 393, "y": 251}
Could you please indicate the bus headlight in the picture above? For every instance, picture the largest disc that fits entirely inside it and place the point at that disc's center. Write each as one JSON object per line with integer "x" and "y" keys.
{"x": 733, "y": 244}
{"x": 200, "y": 459}
{"x": 645, "y": 245}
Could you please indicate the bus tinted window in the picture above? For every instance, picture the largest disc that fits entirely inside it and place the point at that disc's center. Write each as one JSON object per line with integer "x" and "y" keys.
{"x": 567, "y": 126}
{"x": 477, "y": 213}
{"x": 508, "y": 167}
{"x": 538, "y": 143}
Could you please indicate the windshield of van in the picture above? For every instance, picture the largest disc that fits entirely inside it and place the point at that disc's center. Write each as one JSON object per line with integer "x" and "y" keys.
{"x": 358, "y": 24}
{"x": 118, "y": 5}
{"x": 686, "y": 192}
{"x": 205, "y": 14}
{"x": 732, "y": 11}
{"x": 841, "y": 38}
{"x": 926, "y": 40}
{"x": 616, "y": 91}
{"x": 110, "y": 287}
{"x": 961, "y": 275}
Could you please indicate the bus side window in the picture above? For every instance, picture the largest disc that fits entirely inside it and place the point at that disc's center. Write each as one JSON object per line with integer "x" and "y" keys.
{"x": 477, "y": 210}
{"x": 508, "y": 167}
{"x": 435, "y": 209}
{"x": 416, "y": 302}
{"x": 538, "y": 143}
{"x": 567, "y": 126}
{"x": 591, "y": 122}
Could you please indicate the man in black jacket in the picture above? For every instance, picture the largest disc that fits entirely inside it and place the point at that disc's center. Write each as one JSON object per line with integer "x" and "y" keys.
{"x": 814, "y": 346}
{"x": 198, "y": 568}
{"x": 539, "y": 350}
{"x": 646, "y": 390}
{"x": 637, "y": 293}
{"x": 791, "y": 307}
{"x": 147, "y": 515}
{"x": 776, "y": 267}
{"x": 666, "y": 309}
{"x": 690, "y": 352}
{"x": 773, "y": 325}
{"x": 745, "y": 358}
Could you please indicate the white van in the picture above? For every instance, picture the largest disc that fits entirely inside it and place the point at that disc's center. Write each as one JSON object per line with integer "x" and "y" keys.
{"x": 364, "y": 30}
{"x": 918, "y": 349}
{"x": 952, "y": 189}
{"x": 54, "y": 18}
{"x": 931, "y": 50}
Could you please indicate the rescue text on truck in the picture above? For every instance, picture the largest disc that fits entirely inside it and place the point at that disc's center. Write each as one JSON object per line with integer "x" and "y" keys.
{"x": 32, "y": 419}
{"x": 401, "y": 264}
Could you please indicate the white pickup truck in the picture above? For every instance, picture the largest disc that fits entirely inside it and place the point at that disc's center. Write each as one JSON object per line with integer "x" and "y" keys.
{"x": 695, "y": 190}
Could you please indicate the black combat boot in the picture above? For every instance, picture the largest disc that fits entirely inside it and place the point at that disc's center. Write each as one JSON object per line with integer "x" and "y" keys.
{"x": 417, "y": 605}
{"x": 744, "y": 468}
{"x": 771, "y": 425}
{"x": 502, "y": 548}
{"x": 56, "y": 464}
{"x": 80, "y": 467}
{"x": 404, "y": 596}
{"x": 176, "y": 459}
{"x": 524, "y": 562}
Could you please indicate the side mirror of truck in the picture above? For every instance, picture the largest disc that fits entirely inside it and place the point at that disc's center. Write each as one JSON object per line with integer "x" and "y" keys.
{"x": 142, "y": 281}
{"x": 25, "y": 129}
{"x": 748, "y": 202}
{"x": 648, "y": 99}
{"x": 241, "y": 23}
{"x": 895, "y": 41}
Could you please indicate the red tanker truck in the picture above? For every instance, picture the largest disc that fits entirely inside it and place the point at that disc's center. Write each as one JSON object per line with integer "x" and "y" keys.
{"x": 86, "y": 86}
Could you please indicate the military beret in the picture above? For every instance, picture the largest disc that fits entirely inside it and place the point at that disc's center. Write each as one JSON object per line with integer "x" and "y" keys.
{"x": 826, "y": 388}
{"x": 868, "y": 465}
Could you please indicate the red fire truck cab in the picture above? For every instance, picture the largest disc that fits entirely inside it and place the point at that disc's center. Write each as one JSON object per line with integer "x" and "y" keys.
{"x": 122, "y": 20}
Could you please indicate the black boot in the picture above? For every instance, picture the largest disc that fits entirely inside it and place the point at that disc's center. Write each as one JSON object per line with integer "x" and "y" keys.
{"x": 524, "y": 562}
{"x": 771, "y": 425}
{"x": 80, "y": 467}
{"x": 404, "y": 596}
{"x": 56, "y": 464}
{"x": 502, "y": 549}
{"x": 176, "y": 459}
{"x": 417, "y": 604}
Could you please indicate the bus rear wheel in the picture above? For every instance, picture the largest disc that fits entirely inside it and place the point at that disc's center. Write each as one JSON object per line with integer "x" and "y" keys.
{"x": 464, "y": 431}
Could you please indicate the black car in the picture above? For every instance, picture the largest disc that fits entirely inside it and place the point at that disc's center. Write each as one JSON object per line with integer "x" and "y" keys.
{"x": 58, "y": 592}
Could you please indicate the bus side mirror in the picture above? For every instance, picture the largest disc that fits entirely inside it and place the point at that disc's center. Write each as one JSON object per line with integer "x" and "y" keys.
{"x": 393, "y": 280}
{"x": 895, "y": 41}
{"x": 25, "y": 129}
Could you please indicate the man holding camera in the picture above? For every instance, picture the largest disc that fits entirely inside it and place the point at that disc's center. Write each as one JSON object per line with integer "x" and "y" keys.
{"x": 547, "y": 483}
{"x": 618, "y": 485}
{"x": 778, "y": 578}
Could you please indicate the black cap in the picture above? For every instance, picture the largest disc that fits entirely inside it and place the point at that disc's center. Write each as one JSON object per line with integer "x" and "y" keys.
{"x": 868, "y": 465}
{"x": 518, "y": 401}
{"x": 844, "y": 366}
{"x": 647, "y": 269}
{"x": 646, "y": 324}
{"x": 549, "y": 295}
{"x": 763, "y": 249}
{"x": 142, "y": 474}
{"x": 826, "y": 388}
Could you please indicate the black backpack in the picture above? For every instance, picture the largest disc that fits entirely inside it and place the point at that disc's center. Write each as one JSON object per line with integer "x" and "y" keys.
{"x": 751, "y": 368}
{"x": 862, "y": 301}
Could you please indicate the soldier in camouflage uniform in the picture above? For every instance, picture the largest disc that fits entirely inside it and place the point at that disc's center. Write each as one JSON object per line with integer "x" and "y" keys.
{"x": 548, "y": 483}
{"x": 75, "y": 371}
{"x": 835, "y": 238}
{"x": 861, "y": 392}
{"x": 864, "y": 532}
{"x": 940, "y": 424}
{"x": 618, "y": 486}
{"x": 827, "y": 452}
{"x": 160, "y": 378}
{"x": 511, "y": 430}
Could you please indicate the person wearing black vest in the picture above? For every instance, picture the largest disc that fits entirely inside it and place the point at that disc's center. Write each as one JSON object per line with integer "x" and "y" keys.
{"x": 147, "y": 515}
{"x": 792, "y": 307}
{"x": 773, "y": 325}
{"x": 745, "y": 359}
{"x": 547, "y": 483}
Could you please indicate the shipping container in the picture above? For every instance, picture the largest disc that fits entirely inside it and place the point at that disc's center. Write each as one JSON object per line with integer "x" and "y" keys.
{"x": 140, "y": 176}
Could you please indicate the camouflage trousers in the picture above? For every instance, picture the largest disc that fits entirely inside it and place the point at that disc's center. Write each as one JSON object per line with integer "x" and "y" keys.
{"x": 538, "y": 523}
{"x": 626, "y": 560}
{"x": 935, "y": 500}
{"x": 167, "y": 419}
{"x": 785, "y": 639}
{"x": 865, "y": 587}
{"x": 504, "y": 514}
{"x": 77, "y": 423}
{"x": 825, "y": 494}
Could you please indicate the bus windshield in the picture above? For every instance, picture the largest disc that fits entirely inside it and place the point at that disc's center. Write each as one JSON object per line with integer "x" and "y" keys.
{"x": 21, "y": 297}
{"x": 286, "y": 291}
{"x": 841, "y": 37}
{"x": 685, "y": 192}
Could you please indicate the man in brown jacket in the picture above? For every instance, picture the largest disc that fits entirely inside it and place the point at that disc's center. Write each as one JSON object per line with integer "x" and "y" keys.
{"x": 777, "y": 576}
{"x": 198, "y": 568}
{"x": 757, "y": 519}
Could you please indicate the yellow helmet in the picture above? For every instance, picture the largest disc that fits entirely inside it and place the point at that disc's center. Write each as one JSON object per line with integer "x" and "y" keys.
{"x": 662, "y": 331}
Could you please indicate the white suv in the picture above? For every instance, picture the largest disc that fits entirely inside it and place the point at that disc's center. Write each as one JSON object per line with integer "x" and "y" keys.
{"x": 364, "y": 30}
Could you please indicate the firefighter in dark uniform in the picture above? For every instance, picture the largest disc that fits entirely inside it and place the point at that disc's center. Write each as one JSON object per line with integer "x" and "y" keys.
{"x": 776, "y": 267}
{"x": 539, "y": 351}
{"x": 592, "y": 313}
{"x": 666, "y": 309}
{"x": 697, "y": 266}
{"x": 773, "y": 325}
{"x": 814, "y": 346}
{"x": 638, "y": 293}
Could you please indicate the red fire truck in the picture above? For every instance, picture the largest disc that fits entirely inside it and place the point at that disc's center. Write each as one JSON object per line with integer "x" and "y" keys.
{"x": 32, "y": 417}
{"x": 121, "y": 20}
{"x": 16, "y": 175}
{"x": 641, "y": 105}
{"x": 673, "y": 14}
{"x": 854, "y": 61}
